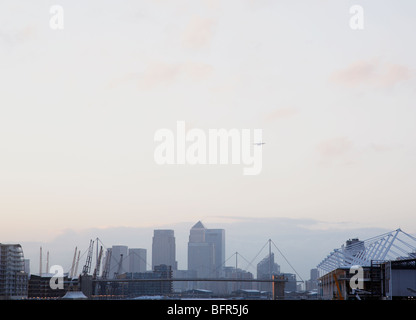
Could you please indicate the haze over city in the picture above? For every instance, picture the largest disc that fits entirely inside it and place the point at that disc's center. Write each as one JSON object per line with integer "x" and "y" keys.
{"x": 79, "y": 108}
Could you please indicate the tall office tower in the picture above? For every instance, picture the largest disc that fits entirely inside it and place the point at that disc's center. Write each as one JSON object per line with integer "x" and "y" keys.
{"x": 314, "y": 274}
{"x": 27, "y": 266}
{"x": 217, "y": 238}
{"x": 137, "y": 260}
{"x": 164, "y": 249}
{"x": 118, "y": 253}
{"x": 312, "y": 283}
{"x": 197, "y": 233}
{"x": 201, "y": 254}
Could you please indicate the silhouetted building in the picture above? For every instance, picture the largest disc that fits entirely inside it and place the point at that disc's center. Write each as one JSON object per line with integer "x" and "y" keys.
{"x": 182, "y": 286}
{"x": 40, "y": 288}
{"x": 137, "y": 260}
{"x": 151, "y": 287}
{"x": 118, "y": 261}
{"x": 265, "y": 269}
{"x": 217, "y": 238}
{"x": 201, "y": 254}
{"x": 164, "y": 249}
{"x": 312, "y": 283}
{"x": 233, "y": 273}
{"x": 290, "y": 284}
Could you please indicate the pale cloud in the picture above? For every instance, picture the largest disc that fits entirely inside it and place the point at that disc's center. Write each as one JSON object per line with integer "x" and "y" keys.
{"x": 343, "y": 151}
{"x": 198, "y": 33}
{"x": 197, "y": 70}
{"x": 212, "y": 4}
{"x": 159, "y": 73}
{"x": 18, "y": 36}
{"x": 281, "y": 113}
{"x": 335, "y": 151}
{"x": 335, "y": 147}
{"x": 372, "y": 73}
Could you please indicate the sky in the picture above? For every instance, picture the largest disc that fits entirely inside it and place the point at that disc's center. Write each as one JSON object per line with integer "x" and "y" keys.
{"x": 79, "y": 108}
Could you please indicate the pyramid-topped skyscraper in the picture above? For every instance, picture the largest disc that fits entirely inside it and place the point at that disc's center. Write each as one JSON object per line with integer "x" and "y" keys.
{"x": 206, "y": 250}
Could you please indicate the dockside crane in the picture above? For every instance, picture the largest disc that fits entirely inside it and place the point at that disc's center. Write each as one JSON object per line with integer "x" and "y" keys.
{"x": 115, "y": 286}
{"x": 87, "y": 267}
{"x": 98, "y": 265}
{"x": 120, "y": 263}
{"x": 76, "y": 264}
{"x": 97, "y": 270}
{"x": 106, "y": 268}
{"x": 71, "y": 273}
{"x": 106, "y": 265}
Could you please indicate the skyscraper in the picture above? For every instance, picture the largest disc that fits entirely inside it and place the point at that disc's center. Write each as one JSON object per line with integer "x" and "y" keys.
{"x": 206, "y": 250}
{"x": 200, "y": 253}
{"x": 137, "y": 260}
{"x": 217, "y": 238}
{"x": 164, "y": 249}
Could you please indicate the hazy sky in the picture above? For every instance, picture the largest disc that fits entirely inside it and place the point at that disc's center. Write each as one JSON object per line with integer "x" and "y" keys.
{"x": 79, "y": 108}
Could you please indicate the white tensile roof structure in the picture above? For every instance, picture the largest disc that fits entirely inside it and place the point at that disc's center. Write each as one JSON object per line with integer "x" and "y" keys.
{"x": 394, "y": 245}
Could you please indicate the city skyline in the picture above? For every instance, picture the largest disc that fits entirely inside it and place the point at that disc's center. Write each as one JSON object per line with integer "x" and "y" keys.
{"x": 80, "y": 106}
{"x": 304, "y": 254}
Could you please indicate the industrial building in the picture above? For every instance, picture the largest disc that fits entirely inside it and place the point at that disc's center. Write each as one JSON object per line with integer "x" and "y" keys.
{"x": 134, "y": 289}
{"x": 379, "y": 268}
{"x": 40, "y": 288}
{"x": 13, "y": 278}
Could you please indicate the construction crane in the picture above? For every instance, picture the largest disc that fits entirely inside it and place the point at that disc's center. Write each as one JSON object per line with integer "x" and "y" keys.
{"x": 106, "y": 265}
{"x": 106, "y": 268}
{"x": 120, "y": 263}
{"x": 97, "y": 270}
{"x": 76, "y": 264}
{"x": 98, "y": 265}
{"x": 115, "y": 285}
{"x": 71, "y": 273}
{"x": 87, "y": 267}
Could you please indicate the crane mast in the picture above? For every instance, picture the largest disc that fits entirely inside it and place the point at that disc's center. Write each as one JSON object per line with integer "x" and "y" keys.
{"x": 87, "y": 267}
{"x": 120, "y": 263}
{"x": 107, "y": 264}
{"x": 97, "y": 267}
